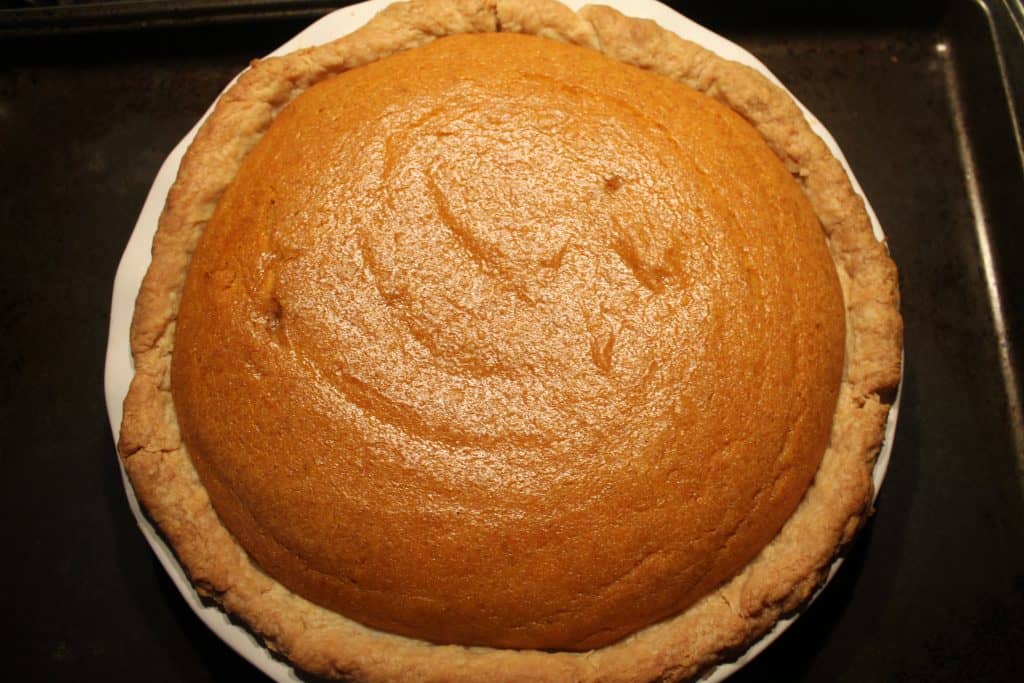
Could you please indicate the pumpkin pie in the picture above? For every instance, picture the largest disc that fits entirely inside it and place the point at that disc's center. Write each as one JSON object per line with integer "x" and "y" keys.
{"x": 497, "y": 341}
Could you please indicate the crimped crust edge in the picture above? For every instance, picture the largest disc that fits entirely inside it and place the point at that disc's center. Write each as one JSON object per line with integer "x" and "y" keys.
{"x": 783, "y": 576}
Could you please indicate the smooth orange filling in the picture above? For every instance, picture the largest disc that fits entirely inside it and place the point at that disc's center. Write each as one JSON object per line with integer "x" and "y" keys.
{"x": 500, "y": 342}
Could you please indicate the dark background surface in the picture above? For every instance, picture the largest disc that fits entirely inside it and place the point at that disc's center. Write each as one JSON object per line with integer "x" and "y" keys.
{"x": 932, "y": 590}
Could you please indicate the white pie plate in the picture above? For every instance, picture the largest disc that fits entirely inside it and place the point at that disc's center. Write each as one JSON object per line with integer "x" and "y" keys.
{"x": 136, "y": 258}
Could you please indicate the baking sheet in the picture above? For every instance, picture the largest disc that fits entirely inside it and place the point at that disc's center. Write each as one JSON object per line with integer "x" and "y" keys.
{"x": 135, "y": 261}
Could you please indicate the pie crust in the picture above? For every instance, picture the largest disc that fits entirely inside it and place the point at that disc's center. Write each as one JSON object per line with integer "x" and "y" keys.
{"x": 777, "y": 582}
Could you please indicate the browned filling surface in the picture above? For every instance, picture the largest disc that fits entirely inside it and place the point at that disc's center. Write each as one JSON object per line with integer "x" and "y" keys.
{"x": 500, "y": 342}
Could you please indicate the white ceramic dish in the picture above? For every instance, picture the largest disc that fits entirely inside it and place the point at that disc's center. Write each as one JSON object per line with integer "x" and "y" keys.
{"x": 136, "y": 258}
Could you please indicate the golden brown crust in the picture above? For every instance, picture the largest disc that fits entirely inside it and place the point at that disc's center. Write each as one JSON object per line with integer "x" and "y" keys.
{"x": 778, "y": 581}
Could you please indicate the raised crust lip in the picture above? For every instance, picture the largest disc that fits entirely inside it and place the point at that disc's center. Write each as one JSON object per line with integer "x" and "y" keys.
{"x": 783, "y": 576}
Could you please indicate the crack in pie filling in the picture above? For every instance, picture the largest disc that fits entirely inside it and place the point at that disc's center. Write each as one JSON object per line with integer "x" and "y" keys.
{"x": 472, "y": 350}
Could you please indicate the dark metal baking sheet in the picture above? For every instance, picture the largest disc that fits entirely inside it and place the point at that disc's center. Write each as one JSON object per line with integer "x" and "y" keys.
{"x": 922, "y": 101}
